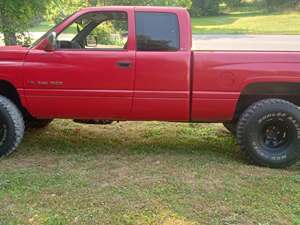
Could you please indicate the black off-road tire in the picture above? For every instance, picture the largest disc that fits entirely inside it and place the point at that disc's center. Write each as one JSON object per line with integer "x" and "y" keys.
{"x": 231, "y": 127}
{"x": 32, "y": 123}
{"x": 269, "y": 133}
{"x": 11, "y": 126}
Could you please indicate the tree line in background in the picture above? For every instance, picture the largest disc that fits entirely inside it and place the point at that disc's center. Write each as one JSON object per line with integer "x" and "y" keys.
{"x": 17, "y": 16}
{"x": 212, "y": 7}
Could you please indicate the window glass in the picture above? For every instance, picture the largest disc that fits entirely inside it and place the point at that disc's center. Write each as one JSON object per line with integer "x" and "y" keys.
{"x": 157, "y": 31}
{"x": 69, "y": 34}
{"x": 110, "y": 34}
{"x": 105, "y": 30}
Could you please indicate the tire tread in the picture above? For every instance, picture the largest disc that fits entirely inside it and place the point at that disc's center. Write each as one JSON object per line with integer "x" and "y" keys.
{"x": 244, "y": 120}
{"x": 17, "y": 120}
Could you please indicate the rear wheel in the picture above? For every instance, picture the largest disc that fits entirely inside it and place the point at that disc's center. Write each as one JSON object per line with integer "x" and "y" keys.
{"x": 269, "y": 133}
{"x": 11, "y": 126}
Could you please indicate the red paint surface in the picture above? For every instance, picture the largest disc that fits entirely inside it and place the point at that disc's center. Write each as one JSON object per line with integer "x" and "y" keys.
{"x": 167, "y": 86}
{"x": 220, "y": 77}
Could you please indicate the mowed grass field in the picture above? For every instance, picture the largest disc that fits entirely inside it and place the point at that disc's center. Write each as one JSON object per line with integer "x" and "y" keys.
{"x": 134, "y": 173}
{"x": 248, "y": 23}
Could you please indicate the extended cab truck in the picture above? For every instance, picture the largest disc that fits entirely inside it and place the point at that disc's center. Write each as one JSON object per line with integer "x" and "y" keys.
{"x": 135, "y": 63}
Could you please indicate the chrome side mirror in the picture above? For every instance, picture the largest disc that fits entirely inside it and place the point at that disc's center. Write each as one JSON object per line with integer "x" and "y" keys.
{"x": 52, "y": 42}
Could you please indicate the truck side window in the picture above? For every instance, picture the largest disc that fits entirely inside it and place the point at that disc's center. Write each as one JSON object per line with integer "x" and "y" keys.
{"x": 157, "y": 31}
{"x": 100, "y": 30}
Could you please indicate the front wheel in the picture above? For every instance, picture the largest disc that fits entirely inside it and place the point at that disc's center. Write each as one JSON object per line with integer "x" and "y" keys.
{"x": 269, "y": 133}
{"x": 11, "y": 126}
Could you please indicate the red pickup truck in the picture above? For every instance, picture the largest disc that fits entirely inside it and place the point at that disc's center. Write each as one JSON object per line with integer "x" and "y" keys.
{"x": 135, "y": 63}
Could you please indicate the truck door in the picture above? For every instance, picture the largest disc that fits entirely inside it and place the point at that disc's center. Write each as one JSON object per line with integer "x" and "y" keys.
{"x": 162, "y": 87}
{"x": 90, "y": 74}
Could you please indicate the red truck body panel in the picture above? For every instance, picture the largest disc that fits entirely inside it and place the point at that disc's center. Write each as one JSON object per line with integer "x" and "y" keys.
{"x": 162, "y": 86}
{"x": 156, "y": 83}
{"x": 84, "y": 84}
{"x": 220, "y": 77}
{"x": 11, "y": 67}
{"x": 168, "y": 86}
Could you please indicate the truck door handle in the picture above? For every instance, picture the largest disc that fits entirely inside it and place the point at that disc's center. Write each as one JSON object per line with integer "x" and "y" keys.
{"x": 123, "y": 64}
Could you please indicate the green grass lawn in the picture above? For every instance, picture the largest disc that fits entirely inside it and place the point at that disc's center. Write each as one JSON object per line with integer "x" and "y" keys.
{"x": 235, "y": 23}
{"x": 248, "y": 23}
{"x": 42, "y": 27}
{"x": 142, "y": 173}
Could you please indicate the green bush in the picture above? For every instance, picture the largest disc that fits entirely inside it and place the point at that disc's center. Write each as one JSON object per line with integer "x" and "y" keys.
{"x": 277, "y": 5}
{"x": 103, "y": 33}
{"x": 233, "y": 3}
{"x": 110, "y": 33}
{"x": 205, "y": 7}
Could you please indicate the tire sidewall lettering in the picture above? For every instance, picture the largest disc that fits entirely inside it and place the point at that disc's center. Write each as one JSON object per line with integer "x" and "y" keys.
{"x": 256, "y": 145}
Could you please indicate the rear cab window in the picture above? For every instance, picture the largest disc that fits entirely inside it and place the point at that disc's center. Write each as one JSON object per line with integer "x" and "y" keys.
{"x": 157, "y": 31}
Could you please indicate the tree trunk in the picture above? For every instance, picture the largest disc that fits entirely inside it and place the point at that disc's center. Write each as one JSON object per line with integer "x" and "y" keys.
{"x": 10, "y": 38}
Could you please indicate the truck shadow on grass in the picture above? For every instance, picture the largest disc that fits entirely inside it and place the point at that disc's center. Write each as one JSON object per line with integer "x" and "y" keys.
{"x": 209, "y": 141}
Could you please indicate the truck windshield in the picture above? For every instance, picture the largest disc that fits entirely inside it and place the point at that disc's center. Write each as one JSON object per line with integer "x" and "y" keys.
{"x": 47, "y": 33}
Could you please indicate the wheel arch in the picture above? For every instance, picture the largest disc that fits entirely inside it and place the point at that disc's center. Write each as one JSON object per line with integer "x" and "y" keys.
{"x": 9, "y": 90}
{"x": 254, "y": 92}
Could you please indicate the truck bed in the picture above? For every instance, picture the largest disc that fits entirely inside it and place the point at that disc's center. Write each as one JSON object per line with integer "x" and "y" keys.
{"x": 220, "y": 77}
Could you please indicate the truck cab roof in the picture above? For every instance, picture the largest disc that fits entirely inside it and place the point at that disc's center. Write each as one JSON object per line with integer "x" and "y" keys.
{"x": 135, "y": 8}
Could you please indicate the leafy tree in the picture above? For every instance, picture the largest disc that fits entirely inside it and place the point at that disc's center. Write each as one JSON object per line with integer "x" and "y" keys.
{"x": 183, "y": 3}
{"x": 276, "y": 5}
{"x": 15, "y": 18}
{"x": 205, "y": 7}
{"x": 57, "y": 11}
{"x": 233, "y": 3}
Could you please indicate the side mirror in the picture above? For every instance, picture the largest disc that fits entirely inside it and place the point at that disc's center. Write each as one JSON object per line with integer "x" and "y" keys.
{"x": 52, "y": 42}
{"x": 91, "y": 41}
